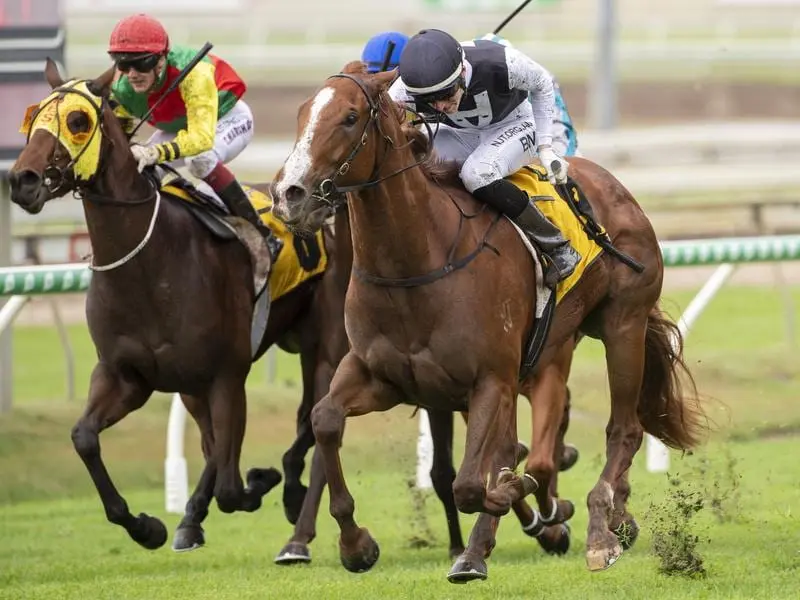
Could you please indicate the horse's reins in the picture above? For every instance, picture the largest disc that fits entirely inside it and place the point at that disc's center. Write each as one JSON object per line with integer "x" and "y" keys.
{"x": 334, "y": 196}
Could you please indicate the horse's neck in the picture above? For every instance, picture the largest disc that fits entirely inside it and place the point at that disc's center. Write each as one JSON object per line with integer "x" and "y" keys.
{"x": 400, "y": 228}
{"x": 116, "y": 229}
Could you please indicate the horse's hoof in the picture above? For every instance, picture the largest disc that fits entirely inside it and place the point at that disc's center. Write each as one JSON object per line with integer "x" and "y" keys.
{"x": 188, "y": 538}
{"x": 467, "y": 568}
{"x": 365, "y": 556}
{"x": 602, "y": 558}
{"x": 294, "y": 553}
{"x": 568, "y": 458}
{"x": 554, "y": 539}
{"x": 627, "y": 532}
{"x": 293, "y": 498}
{"x": 149, "y": 532}
{"x": 261, "y": 481}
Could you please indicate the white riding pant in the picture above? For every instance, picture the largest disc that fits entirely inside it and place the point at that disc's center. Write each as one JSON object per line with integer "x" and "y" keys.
{"x": 234, "y": 133}
{"x": 492, "y": 152}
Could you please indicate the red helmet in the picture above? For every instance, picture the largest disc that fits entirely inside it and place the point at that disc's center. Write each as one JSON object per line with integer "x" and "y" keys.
{"x": 139, "y": 33}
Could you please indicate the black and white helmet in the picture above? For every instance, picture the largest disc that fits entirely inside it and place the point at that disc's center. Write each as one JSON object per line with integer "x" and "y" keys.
{"x": 431, "y": 65}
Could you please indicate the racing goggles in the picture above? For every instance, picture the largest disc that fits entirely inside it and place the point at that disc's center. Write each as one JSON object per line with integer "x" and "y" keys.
{"x": 141, "y": 63}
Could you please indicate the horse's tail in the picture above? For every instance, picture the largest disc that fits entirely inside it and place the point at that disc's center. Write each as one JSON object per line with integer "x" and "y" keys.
{"x": 669, "y": 408}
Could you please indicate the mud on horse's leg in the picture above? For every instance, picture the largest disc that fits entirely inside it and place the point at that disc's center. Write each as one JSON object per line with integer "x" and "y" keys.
{"x": 625, "y": 362}
{"x": 228, "y": 418}
{"x": 481, "y": 485}
{"x": 353, "y": 392}
{"x": 189, "y": 535}
{"x": 111, "y": 397}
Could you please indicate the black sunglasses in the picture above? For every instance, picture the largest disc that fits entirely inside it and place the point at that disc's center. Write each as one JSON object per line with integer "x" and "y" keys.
{"x": 141, "y": 64}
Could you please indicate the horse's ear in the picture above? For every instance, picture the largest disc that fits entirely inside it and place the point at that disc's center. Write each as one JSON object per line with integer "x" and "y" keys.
{"x": 102, "y": 85}
{"x": 355, "y": 67}
{"x": 384, "y": 79}
{"x": 51, "y": 74}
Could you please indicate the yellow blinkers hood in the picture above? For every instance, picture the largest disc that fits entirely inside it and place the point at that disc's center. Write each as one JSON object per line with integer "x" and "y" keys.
{"x": 51, "y": 115}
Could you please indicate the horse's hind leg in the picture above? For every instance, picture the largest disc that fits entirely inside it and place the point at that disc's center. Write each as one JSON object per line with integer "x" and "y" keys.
{"x": 624, "y": 339}
{"x": 294, "y": 492}
{"x": 623, "y": 524}
{"x": 548, "y": 397}
{"x": 111, "y": 397}
{"x": 353, "y": 392}
{"x": 228, "y": 418}
{"x": 443, "y": 474}
{"x": 189, "y": 534}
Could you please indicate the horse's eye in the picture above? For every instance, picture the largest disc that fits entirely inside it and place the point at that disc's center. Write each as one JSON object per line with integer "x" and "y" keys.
{"x": 78, "y": 122}
{"x": 351, "y": 119}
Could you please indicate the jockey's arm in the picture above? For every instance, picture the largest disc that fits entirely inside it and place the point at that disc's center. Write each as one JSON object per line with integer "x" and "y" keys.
{"x": 528, "y": 75}
{"x": 199, "y": 93}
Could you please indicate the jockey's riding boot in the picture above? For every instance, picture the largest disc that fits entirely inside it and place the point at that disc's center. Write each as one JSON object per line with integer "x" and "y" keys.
{"x": 563, "y": 257}
{"x": 514, "y": 202}
{"x": 237, "y": 201}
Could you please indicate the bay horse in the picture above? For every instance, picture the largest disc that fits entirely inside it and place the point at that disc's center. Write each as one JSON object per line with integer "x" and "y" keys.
{"x": 442, "y": 301}
{"x": 173, "y": 311}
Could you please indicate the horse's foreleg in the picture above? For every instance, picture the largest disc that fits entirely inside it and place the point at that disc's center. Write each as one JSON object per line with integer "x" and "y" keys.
{"x": 491, "y": 437}
{"x": 189, "y": 535}
{"x": 111, "y": 398}
{"x": 625, "y": 361}
{"x": 228, "y": 418}
{"x": 443, "y": 473}
{"x": 353, "y": 392}
{"x": 294, "y": 492}
{"x": 296, "y": 550}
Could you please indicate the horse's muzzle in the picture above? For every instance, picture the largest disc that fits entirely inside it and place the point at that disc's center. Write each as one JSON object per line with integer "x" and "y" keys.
{"x": 289, "y": 203}
{"x": 26, "y": 190}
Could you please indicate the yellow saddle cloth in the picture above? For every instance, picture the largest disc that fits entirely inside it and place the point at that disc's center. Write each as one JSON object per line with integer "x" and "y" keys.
{"x": 533, "y": 180}
{"x": 300, "y": 259}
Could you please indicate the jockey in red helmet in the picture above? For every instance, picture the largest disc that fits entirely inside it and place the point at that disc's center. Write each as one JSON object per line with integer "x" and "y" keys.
{"x": 203, "y": 122}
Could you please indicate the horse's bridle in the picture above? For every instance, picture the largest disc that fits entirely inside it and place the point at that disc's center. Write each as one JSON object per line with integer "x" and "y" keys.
{"x": 334, "y": 195}
{"x": 53, "y": 176}
{"x": 54, "y": 179}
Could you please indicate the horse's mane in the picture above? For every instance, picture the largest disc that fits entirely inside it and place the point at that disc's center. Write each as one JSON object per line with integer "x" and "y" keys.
{"x": 434, "y": 168}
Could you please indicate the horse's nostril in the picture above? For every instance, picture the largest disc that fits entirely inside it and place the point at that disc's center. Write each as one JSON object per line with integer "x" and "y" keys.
{"x": 295, "y": 193}
{"x": 24, "y": 179}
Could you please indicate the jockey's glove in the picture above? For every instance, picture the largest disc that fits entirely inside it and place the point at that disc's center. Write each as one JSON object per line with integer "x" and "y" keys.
{"x": 145, "y": 155}
{"x": 548, "y": 156}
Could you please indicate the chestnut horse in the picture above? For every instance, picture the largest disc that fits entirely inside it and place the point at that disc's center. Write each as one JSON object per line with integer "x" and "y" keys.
{"x": 173, "y": 311}
{"x": 441, "y": 305}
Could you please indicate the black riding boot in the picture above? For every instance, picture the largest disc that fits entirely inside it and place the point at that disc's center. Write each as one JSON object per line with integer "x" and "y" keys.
{"x": 235, "y": 198}
{"x": 512, "y": 201}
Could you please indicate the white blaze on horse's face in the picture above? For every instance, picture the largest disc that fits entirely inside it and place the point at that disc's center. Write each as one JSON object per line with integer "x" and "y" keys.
{"x": 297, "y": 165}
